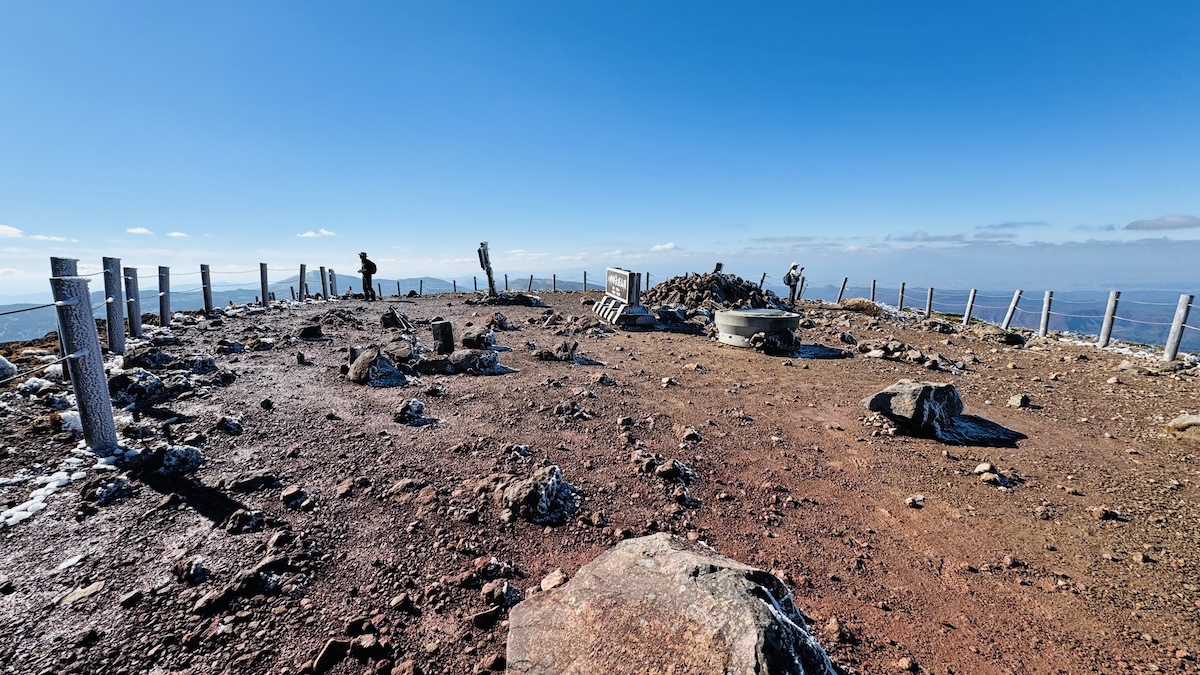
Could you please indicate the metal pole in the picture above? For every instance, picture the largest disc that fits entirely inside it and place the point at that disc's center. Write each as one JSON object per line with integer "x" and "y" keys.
{"x": 164, "y": 296}
{"x": 800, "y": 290}
{"x": 379, "y": 291}
{"x": 762, "y": 279}
{"x": 970, "y": 307}
{"x": 476, "y": 280}
{"x": 1012, "y": 309}
{"x": 530, "y": 282}
{"x": 206, "y": 284}
{"x": 64, "y": 267}
{"x": 134, "y": 302}
{"x": 506, "y": 282}
{"x": 900, "y": 303}
{"x": 115, "y": 312}
{"x": 872, "y": 290}
{"x": 421, "y": 287}
{"x": 333, "y": 282}
{"x": 397, "y": 289}
{"x": 1044, "y": 328}
{"x": 1176, "y": 335}
{"x": 262, "y": 281}
{"x": 303, "y": 283}
{"x": 454, "y": 283}
{"x": 324, "y": 284}
{"x": 842, "y": 290}
{"x": 87, "y": 366}
{"x": 585, "y": 281}
{"x": 1110, "y": 313}
{"x": 554, "y": 282}
{"x": 929, "y": 303}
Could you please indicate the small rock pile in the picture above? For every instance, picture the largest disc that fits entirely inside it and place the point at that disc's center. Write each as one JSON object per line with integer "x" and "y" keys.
{"x": 711, "y": 291}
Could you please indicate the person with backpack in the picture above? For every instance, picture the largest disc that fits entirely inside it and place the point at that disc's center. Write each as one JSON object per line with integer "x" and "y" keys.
{"x": 368, "y": 271}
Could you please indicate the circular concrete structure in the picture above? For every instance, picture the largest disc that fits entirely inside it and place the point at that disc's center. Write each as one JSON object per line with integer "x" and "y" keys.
{"x": 736, "y": 326}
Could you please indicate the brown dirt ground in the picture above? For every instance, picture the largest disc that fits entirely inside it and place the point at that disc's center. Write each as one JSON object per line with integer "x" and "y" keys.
{"x": 790, "y": 478}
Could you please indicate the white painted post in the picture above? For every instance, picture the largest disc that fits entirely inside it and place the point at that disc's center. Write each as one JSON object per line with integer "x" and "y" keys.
{"x": 1044, "y": 328}
{"x": 302, "y": 286}
{"x": 262, "y": 281}
{"x": 842, "y": 290}
{"x": 970, "y": 307}
{"x": 115, "y": 308}
{"x": 164, "y": 296}
{"x": 872, "y": 290}
{"x": 324, "y": 284}
{"x": 900, "y": 302}
{"x": 1012, "y": 309}
{"x": 87, "y": 366}
{"x": 1176, "y": 334}
{"x": 1110, "y": 313}
{"x": 929, "y": 303}
{"x": 134, "y": 302}
{"x": 206, "y": 285}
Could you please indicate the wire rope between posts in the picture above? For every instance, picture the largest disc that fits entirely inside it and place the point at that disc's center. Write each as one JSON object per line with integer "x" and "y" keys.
{"x": 1080, "y": 302}
{"x": 26, "y": 309}
{"x": 40, "y": 368}
{"x": 1143, "y": 302}
{"x": 1147, "y": 323}
{"x": 1076, "y": 316}
{"x": 988, "y": 307}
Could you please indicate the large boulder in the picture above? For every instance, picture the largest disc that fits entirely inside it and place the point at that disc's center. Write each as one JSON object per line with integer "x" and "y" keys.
{"x": 922, "y": 406}
{"x": 372, "y": 368}
{"x": 1185, "y": 426}
{"x": 661, "y": 604}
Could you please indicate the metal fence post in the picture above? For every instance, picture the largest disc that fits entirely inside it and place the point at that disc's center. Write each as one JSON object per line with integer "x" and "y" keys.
{"x": 324, "y": 284}
{"x": 530, "y": 282}
{"x": 872, "y": 290}
{"x": 506, "y": 282}
{"x": 900, "y": 302}
{"x": 585, "y": 281}
{"x": 134, "y": 302}
{"x": 262, "y": 281}
{"x": 206, "y": 285}
{"x": 333, "y": 282}
{"x": 842, "y": 290}
{"x": 115, "y": 312}
{"x": 164, "y": 296}
{"x": 1176, "y": 334}
{"x": 1110, "y": 313}
{"x": 87, "y": 365}
{"x": 929, "y": 303}
{"x": 554, "y": 282}
{"x": 970, "y": 307}
{"x": 1012, "y": 309}
{"x": 421, "y": 287}
{"x": 1044, "y": 328}
{"x": 302, "y": 284}
{"x": 64, "y": 267}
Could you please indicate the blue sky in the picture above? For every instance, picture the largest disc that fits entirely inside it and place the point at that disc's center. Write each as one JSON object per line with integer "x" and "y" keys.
{"x": 952, "y": 143}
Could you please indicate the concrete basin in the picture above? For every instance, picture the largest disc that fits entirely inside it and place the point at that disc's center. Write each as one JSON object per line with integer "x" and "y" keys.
{"x": 736, "y": 326}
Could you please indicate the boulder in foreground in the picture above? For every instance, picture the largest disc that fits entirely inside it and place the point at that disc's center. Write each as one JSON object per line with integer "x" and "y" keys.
{"x": 661, "y": 604}
{"x": 930, "y": 409}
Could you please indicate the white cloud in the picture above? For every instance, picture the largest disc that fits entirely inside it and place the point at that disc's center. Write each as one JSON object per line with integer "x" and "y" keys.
{"x": 10, "y": 231}
{"x": 574, "y": 258}
{"x": 319, "y": 233}
{"x": 1178, "y": 222}
{"x": 177, "y": 234}
{"x": 138, "y": 230}
{"x": 9, "y": 272}
{"x": 46, "y": 237}
{"x": 669, "y": 246}
{"x": 522, "y": 254}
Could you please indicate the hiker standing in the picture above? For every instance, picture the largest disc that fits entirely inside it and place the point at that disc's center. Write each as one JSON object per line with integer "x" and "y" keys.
{"x": 367, "y": 270}
{"x": 792, "y": 280}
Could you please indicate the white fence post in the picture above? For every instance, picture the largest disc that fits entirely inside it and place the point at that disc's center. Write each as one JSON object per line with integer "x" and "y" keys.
{"x": 1110, "y": 313}
{"x": 206, "y": 287}
{"x": 1012, "y": 309}
{"x": 115, "y": 312}
{"x": 164, "y": 296}
{"x": 134, "y": 302}
{"x": 970, "y": 307}
{"x": 83, "y": 346}
{"x": 1176, "y": 335}
{"x": 1044, "y": 328}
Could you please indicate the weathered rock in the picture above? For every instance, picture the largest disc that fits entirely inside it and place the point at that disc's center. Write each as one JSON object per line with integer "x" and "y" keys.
{"x": 1018, "y": 401}
{"x": 663, "y": 604}
{"x": 993, "y": 333}
{"x": 925, "y": 406}
{"x": 478, "y": 337}
{"x": 477, "y": 362}
{"x": 564, "y": 351}
{"x": 149, "y": 358}
{"x": 544, "y": 498}
{"x": 137, "y": 386}
{"x": 374, "y": 369}
{"x": 1185, "y": 426}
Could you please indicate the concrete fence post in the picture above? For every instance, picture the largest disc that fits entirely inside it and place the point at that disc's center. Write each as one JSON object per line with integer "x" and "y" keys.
{"x": 206, "y": 285}
{"x": 970, "y": 307}
{"x": 506, "y": 282}
{"x": 293, "y": 290}
{"x": 324, "y": 284}
{"x": 1110, "y": 313}
{"x": 647, "y": 286}
{"x": 1044, "y": 327}
{"x": 929, "y": 303}
{"x": 585, "y": 281}
{"x": 1012, "y": 309}
{"x": 115, "y": 308}
{"x": 302, "y": 285}
{"x": 164, "y": 296}
{"x": 900, "y": 302}
{"x": 554, "y": 282}
{"x": 64, "y": 267}
{"x": 74, "y": 309}
{"x": 134, "y": 302}
{"x": 842, "y": 290}
{"x": 333, "y": 282}
{"x": 872, "y": 290}
{"x": 1176, "y": 334}
{"x": 262, "y": 281}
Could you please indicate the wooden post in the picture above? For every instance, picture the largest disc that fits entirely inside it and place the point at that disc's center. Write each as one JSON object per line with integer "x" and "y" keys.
{"x": 133, "y": 302}
{"x": 970, "y": 307}
{"x": 88, "y": 379}
{"x": 1012, "y": 309}
{"x": 206, "y": 286}
{"x": 262, "y": 281}
{"x": 324, "y": 284}
{"x": 164, "y": 296}
{"x": 1044, "y": 328}
{"x": 443, "y": 337}
{"x": 900, "y": 302}
{"x": 303, "y": 283}
{"x": 1176, "y": 334}
{"x": 842, "y": 290}
{"x": 872, "y": 290}
{"x": 530, "y": 282}
{"x": 1110, "y": 313}
{"x": 929, "y": 303}
{"x": 115, "y": 312}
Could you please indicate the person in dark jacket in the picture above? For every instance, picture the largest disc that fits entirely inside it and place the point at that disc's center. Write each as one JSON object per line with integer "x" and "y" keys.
{"x": 792, "y": 280}
{"x": 368, "y": 271}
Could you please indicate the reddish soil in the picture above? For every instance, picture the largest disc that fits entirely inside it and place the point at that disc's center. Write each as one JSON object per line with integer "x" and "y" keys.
{"x": 982, "y": 579}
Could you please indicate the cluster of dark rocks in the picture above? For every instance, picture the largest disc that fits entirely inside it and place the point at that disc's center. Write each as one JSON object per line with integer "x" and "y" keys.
{"x": 711, "y": 291}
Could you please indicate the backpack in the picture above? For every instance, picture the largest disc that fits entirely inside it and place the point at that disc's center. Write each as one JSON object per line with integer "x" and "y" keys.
{"x": 369, "y": 267}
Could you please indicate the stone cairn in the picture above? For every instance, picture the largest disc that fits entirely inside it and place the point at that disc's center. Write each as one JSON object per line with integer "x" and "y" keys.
{"x": 711, "y": 291}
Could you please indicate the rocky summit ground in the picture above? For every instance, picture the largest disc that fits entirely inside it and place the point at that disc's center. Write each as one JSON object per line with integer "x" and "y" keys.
{"x": 321, "y": 533}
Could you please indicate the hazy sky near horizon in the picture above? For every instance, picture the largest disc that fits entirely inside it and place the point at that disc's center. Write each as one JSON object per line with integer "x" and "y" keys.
{"x": 938, "y": 142}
